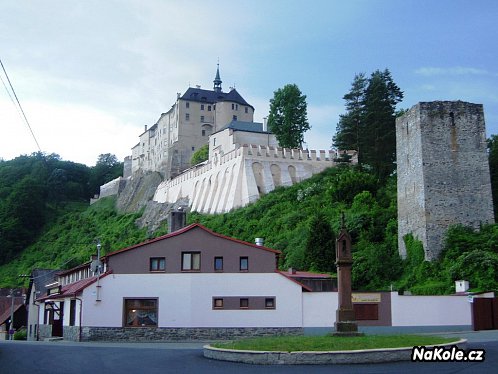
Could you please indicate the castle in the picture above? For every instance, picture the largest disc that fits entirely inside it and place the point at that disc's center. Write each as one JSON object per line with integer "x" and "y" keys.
{"x": 245, "y": 160}
{"x": 443, "y": 172}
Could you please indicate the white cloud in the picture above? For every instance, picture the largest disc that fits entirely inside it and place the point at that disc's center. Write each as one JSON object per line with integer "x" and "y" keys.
{"x": 456, "y": 70}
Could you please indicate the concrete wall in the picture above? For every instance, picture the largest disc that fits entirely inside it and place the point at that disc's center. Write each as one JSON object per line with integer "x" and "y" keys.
{"x": 186, "y": 300}
{"x": 430, "y": 310}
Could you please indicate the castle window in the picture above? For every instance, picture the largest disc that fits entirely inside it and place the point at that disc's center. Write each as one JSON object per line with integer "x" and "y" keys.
{"x": 236, "y": 106}
{"x": 202, "y": 118}
{"x": 187, "y": 117}
{"x": 233, "y": 106}
{"x": 193, "y": 149}
{"x": 203, "y": 132}
{"x": 202, "y": 106}
{"x": 187, "y": 105}
{"x": 209, "y": 108}
{"x": 214, "y": 141}
{"x": 246, "y": 109}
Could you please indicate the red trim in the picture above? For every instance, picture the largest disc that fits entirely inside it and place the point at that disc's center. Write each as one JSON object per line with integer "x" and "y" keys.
{"x": 184, "y": 230}
{"x": 305, "y": 288}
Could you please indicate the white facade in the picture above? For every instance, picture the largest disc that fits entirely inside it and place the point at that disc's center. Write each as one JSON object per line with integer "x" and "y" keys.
{"x": 186, "y": 300}
{"x": 430, "y": 310}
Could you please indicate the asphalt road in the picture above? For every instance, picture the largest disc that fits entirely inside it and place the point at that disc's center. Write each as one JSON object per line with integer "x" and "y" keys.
{"x": 68, "y": 358}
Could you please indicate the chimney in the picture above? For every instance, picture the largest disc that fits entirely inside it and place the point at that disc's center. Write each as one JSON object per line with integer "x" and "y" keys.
{"x": 291, "y": 271}
{"x": 145, "y": 128}
{"x": 177, "y": 220}
{"x": 259, "y": 241}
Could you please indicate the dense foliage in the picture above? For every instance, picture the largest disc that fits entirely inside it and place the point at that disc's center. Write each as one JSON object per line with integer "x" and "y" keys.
{"x": 369, "y": 123}
{"x": 288, "y": 118}
{"x": 71, "y": 239}
{"x": 202, "y": 154}
{"x": 35, "y": 189}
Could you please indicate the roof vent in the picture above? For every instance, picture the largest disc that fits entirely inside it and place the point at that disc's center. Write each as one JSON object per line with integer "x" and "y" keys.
{"x": 259, "y": 241}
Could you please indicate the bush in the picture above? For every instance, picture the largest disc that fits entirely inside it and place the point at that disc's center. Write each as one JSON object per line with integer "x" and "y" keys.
{"x": 21, "y": 334}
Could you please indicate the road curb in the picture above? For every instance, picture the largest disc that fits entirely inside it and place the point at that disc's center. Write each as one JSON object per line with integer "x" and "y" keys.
{"x": 363, "y": 356}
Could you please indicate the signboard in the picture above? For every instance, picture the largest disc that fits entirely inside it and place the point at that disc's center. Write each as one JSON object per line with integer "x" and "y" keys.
{"x": 366, "y": 297}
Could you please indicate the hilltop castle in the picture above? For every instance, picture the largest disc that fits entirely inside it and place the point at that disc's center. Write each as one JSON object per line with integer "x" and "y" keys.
{"x": 245, "y": 160}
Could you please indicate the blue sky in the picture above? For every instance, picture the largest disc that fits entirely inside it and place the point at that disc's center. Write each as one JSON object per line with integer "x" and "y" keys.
{"x": 90, "y": 74}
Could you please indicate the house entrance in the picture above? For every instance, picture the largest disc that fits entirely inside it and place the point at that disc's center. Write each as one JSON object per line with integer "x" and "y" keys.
{"x": 54, "y": 316}
{"x": 485, "y": 313}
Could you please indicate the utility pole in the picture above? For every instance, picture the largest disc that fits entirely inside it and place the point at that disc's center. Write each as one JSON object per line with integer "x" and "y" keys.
{"x": 11, "y": 325}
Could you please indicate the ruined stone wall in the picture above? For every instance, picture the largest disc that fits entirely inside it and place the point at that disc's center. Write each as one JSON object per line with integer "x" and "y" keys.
{"x": 443, "y": 172}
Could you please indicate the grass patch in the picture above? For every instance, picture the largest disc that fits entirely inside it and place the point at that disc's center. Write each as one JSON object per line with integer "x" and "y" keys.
{"x": 331, "y": 343}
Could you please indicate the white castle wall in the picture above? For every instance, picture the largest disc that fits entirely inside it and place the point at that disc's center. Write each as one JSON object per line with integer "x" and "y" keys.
{"x": 241, "y": 176}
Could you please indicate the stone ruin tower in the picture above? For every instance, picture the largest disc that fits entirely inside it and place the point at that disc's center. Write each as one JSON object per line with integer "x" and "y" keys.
{"x": 443, "y": 172}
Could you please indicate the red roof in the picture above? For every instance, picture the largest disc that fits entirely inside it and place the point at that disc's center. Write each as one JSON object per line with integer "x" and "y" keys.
{"x": 72, "y": 289}
{"x": 188, "y": 228}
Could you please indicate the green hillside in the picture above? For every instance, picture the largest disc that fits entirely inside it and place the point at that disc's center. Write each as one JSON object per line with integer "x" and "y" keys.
{"x": 288, "y": 219}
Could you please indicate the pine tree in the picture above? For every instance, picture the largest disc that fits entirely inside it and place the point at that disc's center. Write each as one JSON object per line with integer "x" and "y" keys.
{"x": 288, "y": 118}
{"x": 369, "y": 123}
{"x": 320, "y": 245}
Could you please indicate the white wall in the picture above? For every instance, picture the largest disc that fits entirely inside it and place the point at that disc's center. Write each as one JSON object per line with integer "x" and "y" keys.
{"x": 319, "y": 309}
{"x": 430, "y": 310}
{"x": 185, "y": 300}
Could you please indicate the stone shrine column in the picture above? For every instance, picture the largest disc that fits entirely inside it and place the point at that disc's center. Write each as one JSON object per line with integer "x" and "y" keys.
{"x": 345, "y": 324}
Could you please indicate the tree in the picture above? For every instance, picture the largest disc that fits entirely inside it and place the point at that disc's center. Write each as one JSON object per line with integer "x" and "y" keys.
{"x": 202, "y": 154}
{"x": 320, "y": 245}
{"x": 347, "y": 135}
{"x": 381, "y": 97}
{"x": 106, "y": 169}
{"x": 368, "y": 125}
{"x": 288, "y": 118}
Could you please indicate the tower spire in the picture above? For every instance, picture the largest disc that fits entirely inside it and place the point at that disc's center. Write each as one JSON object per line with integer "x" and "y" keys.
{"x": 217, "y": 79}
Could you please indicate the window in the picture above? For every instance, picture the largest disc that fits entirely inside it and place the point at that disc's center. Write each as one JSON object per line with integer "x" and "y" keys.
{"x": 217, "y": 303}
{"x": 218, "y": 263}
{"x": 157, "y": 264}
{"x": 140, "y": 312}
{"x": 244, "y": 303}
{"x": 209, "y": 108}
{"x": 244, "y": 263}
{"x": 187, "y": 105}
{"x": 214, "y": 141}
{"x": 193, "y": 149}
{"x": 236, "y": 106}
{"x": 191, "y": 261}
{"x": 203, "y": 132}
{"x": 202, "y": 106}
{"x": 202, "y": 118}
{"x": 233, "y": 106}
{"x": 246, "y": 109}
{"x": 270, "y": 303}
{"x": 187, "y": 116}
{"x": 234, "y": 118}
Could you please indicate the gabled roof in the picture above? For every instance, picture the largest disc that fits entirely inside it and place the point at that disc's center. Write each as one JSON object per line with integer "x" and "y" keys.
{"x": 39, "y": 279}
{"x": 245, "y": 126}
{"x": 187, "y": 229}
{"x": 6, "y": 312}
{"x": 212, "y": 97}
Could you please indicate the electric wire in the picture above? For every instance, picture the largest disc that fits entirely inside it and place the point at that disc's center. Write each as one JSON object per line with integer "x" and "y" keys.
{"x": 19, "y": 105}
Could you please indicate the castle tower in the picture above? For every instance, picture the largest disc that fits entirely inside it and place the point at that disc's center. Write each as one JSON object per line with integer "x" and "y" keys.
{"x": 442, "y": 171}
{"x": 217, "y": 80}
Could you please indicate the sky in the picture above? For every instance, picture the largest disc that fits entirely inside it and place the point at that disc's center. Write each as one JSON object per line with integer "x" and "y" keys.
{"x": 91, "y": 74}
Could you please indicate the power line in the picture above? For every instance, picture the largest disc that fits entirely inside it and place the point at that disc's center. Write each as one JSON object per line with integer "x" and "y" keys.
{"x": 19, "y": 105}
